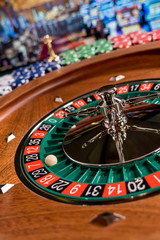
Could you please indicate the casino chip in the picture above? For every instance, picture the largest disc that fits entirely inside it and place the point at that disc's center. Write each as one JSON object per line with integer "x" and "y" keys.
{"x": 19, "y": 82}
{"x": 122, "y": 42}
{"x": 100, "y": 42}
{"x": 4, "y": 90}
{"x": 6, "y": 80}
{"x": 85, "y": 52}
{"x": 117, "y": 38}
{"x": 105, "y": 48}
{"x": 142, "y": 38}
{"x": 131, "y": 35}
{"x": 38, "y": 69}
{"x": 155, "y": 35}
{"x": 102, "y": 46}
{"x": 33, "y": 71}
{"x": 68, "y": 57}
{"x": 66, "y": 62}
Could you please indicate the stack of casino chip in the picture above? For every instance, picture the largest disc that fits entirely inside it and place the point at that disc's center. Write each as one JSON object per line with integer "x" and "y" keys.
{"x": 117, "y": 38}
{"x": 6, "y": 80}
{"x": 131, "y": 35}
{"x": 5, "y": 83}
{"x": 142, "y": 38}
{"x": 85, "y": 52}
{"x": 68, "y": 57}
{"x": 102, "y": 46}
{"x": 5, "y": 89}
{"x": 155, "y": 35}
{"x": 121, "y": 42}
{"x": 27, "y": 74}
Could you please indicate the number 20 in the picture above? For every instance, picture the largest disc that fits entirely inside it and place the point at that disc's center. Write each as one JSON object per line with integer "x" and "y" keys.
{"x": 136, "y": 185}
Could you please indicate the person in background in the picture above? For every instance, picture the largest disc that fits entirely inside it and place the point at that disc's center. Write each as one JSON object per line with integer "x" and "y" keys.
{"x": 99, "y": 30}
{"x": 88, "y": 27}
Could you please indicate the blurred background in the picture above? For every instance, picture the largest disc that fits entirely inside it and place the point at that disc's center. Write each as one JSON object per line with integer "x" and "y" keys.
{"x": 71, "y": 23}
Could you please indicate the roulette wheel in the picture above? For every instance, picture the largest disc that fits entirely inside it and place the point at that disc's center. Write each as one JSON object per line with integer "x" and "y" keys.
{"x": 104, "y": 139}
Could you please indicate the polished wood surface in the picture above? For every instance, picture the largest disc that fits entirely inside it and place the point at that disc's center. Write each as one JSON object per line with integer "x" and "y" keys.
{"x": 24, "y": 215}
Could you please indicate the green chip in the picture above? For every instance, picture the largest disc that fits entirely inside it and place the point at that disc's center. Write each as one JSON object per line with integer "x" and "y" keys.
{"x": 99, "y": 42}
{"x": 69, "y": 61}
{"x": 70, "y": 57}
{"x": 86, "y": 51}
{"x": 86, "y": 54}
{"x": 104, "y": 48}
{"x": 82, "y": 48}
{"x": 68, "y": 54}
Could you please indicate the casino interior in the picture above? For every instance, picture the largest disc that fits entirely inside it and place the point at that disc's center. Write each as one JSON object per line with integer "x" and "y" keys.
{"x": 79, "y": 109}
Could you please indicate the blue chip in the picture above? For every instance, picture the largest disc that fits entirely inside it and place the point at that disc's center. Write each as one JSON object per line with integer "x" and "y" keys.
{"x": 33, "y": 71}
{"x": 19, "y": 82}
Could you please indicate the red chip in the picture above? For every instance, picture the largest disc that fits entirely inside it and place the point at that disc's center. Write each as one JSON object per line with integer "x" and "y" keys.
{"x": 131, "y": 35}
{"x": 123, "y": 43}
{"x": 142, "y": 38}
{"x": 155, "y": 35}
{"x": 117, "y": 39}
